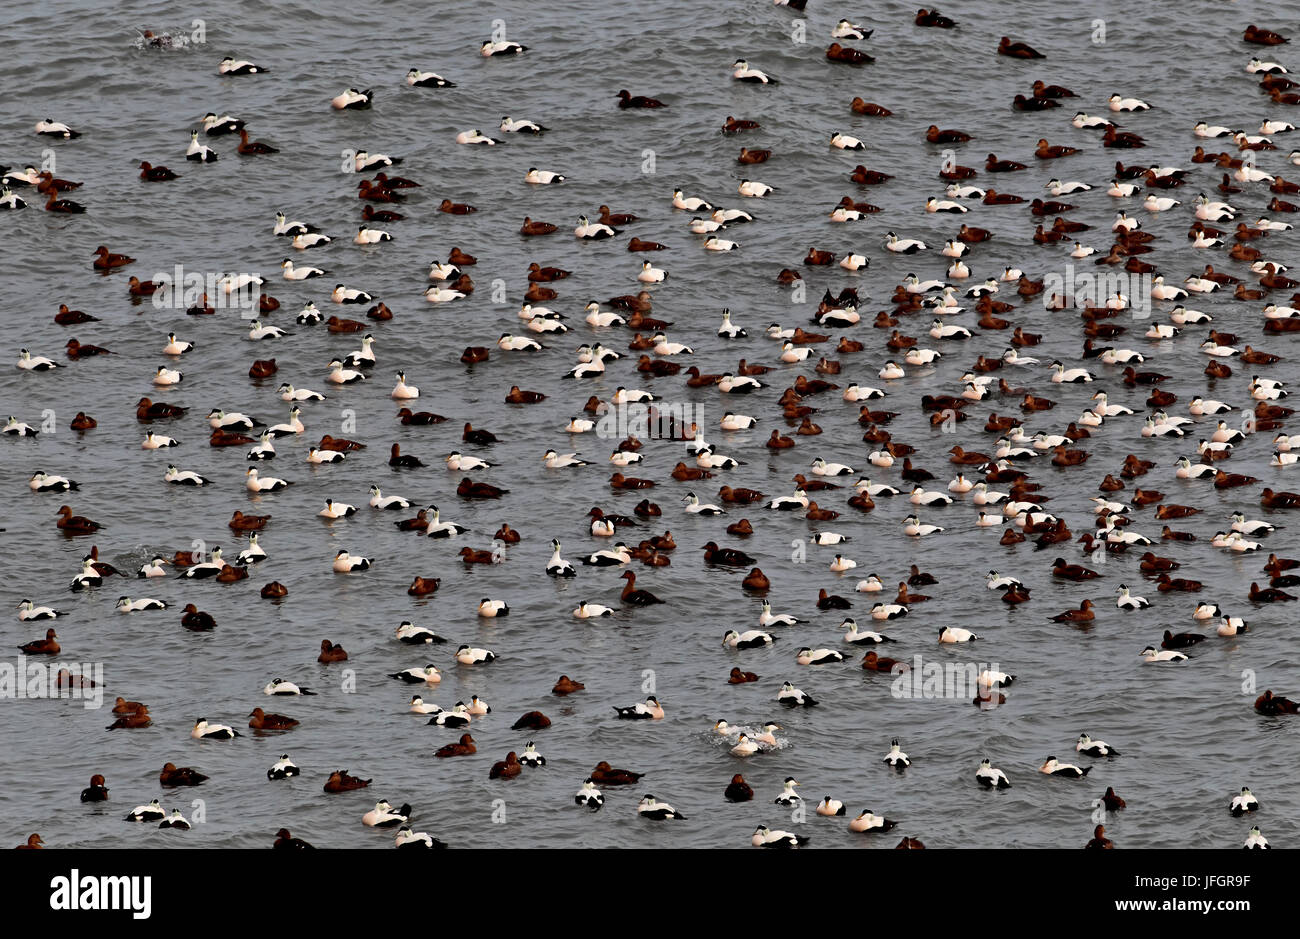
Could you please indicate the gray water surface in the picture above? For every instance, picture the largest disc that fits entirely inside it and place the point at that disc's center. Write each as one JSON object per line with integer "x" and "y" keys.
{"x": 1188, "y": 734}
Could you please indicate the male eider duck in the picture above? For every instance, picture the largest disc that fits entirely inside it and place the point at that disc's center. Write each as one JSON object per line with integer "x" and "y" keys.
{"x": 1240, "y": 805}
{"x": 416, "y": 840}
{"x": 896, "y": 757}
{"x": 232, "y": 66}
{"x": 383, "y": 815}
{"x": 147, "y": 813}
{"x": 345, "y": 563}
{"x": 283, "y": 768}
{"x": 647, "y": 710}
{"x": 27, "y": 610}
{"x": 790, "y": 696}
{"x": 204, "y": 730}
{"x": 990, "y": 777}
{"x": 1255, "y": 839}
{"x": 788, "y": 796}
{"x": 765, "y": 837}
{"x": 1089, "y": 747}
{"x": 502, "y": 47}
{"x": 1053, "y": 767}
{"x": 588, "y": 796}
{"x": 742, "y": 72}
{"x": 352, "y": 100}
{"x": 422, "y": 79}
{"x": 657, "y": 811}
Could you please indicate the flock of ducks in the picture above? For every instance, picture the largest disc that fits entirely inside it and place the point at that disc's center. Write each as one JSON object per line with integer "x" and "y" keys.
{"x": 1004, "y": 482}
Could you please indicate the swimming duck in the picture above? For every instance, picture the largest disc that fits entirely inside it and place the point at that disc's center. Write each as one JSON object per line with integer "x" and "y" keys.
{"x": 1269, "y": 703}
{"x": 260, "y": 720}
{"x": 345, "y": 563}
{"x": 790, "y": 696}
{"x": 191, "y": 617}
{"x": 1149, "y": 654}
{"x": 283, "y": 768}
{"x": 1242, "y": 803}
{"x": 741, "y": 71}
{"x": 205, "y": 730}
{"x": 383, "y": 815}
{"x": 147, "y": 813}
{"x": 501, "y": 47}
{"x": 352, "y": 100}
{"x": 465, "y": 746}
{"x": 657, "y": 811}
{"x": 340, "y": 780}
{"x": 1255, "y": 839}
{"x": 650, "y": 709}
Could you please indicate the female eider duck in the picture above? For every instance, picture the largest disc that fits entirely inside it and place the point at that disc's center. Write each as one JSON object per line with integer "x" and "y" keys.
{"x": 507, "y": 768}
{"x": 331, "y": 652}
{"x": 258, "y": 719}
{"x": 465, "y": 746}
{"x": 340, "y": 780}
